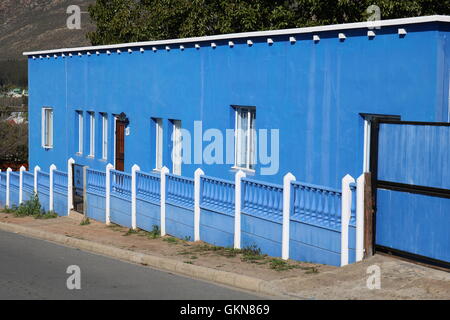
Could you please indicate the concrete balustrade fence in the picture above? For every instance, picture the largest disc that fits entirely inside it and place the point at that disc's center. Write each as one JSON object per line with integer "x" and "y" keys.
{"x": 294, "y": 220}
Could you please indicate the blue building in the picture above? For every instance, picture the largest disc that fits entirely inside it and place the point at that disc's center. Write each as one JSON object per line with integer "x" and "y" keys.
{"x": 319, "y": 102}
{"x": 315, "y": 91}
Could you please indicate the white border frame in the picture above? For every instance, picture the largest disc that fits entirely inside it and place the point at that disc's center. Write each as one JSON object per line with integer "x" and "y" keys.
{"x": 105, "y": 139}
{"x": 91, "y": 134}
{"x": 43, "y": 127}
{"x": 250, "y": 139}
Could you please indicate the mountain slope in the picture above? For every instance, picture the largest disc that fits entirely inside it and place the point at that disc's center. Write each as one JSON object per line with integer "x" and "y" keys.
{"x": 28, "y": 25}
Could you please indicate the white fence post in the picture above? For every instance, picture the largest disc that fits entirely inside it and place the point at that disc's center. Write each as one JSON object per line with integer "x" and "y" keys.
{"x": 288, "y": 178}
{"x": 22, "y": 169}
{"x": 51, "y": 197}
{"x": 8, "y": 179}
{"x": 360, "y": 183}
{"x": 36, "y": 169}
{"x": 197, "y": 183}
{"x": 134, "y": 169}
{"x": 70, "y": 163}
{"x": 109, "y": 167}
{"x": 346, "y": 207}
{"x": 164, "y": 172}
{"x": 237, "y": 208}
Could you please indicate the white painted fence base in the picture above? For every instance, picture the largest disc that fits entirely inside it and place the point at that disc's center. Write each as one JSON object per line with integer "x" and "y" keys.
{"x": 109, "y": 167}
{"x": 237, "y": 208}
{"x": 51, "y": 196}
{"x": 197, "y": 181}
{"x": 8, "y": 179}
{"x": 286, "y": 214}
{"x": 134, "y": 170}
{"x": 70, "y": 164}
{"x": 346, "y": 207}
{"x": 164, "y": 172}
{"x": 22, "y": 169}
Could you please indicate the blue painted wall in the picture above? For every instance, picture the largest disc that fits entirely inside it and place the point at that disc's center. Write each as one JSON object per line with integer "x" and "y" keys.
{"x": 96, "y": 206}
{"x": 312, "y": 92}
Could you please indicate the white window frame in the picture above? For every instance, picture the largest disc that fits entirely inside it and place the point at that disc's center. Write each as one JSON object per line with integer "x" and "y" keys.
{"x": 249, "y": 135}
{"x": 92, "y": 134}
{"x": 47, "y": 128}
{"x": 367, "y": 138}
{"x": 104, "y": 136}
{"x": 158, "y": 144}
{"x": 177, "y": 147}
{"x": 80, "y": 132}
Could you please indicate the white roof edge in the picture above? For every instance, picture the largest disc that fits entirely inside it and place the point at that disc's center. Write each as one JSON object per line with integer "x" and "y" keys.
{"x": 255, "y": 34}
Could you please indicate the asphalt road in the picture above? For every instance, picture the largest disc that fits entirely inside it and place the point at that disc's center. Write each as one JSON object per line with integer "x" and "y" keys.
{"x": 36, "y": 269}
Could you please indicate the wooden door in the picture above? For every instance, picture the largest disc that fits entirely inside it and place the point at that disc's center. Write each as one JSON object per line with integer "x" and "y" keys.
{"x": 120, "y": 145}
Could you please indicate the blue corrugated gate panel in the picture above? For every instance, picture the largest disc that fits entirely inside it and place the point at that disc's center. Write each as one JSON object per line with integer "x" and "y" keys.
{"x": 415, "y": 154}
{"x": 414, "y": 217}
{"x": 414, "y": 223}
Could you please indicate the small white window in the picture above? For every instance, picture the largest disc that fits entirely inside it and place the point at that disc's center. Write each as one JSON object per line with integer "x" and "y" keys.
{"x": 91, "y": 134}
{"x": 159, "y": 143}
{"x": 80, "y": 131}
{"x": 104, "y": 136}
{"x": 245, "y": 135}
{"x": 177, "y": 147}
{"x": 47, "y": 128}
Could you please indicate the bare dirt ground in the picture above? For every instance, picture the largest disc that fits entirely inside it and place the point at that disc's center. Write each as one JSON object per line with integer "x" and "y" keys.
{"x": 246, "y": 262}
{"x": 398, "y": 279}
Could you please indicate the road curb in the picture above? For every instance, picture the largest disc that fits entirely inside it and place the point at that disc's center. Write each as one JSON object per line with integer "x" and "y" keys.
{"x": 198, "y": 272}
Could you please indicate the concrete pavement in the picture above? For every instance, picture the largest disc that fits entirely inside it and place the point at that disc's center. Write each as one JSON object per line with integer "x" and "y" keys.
{"x": 36, "y": 269}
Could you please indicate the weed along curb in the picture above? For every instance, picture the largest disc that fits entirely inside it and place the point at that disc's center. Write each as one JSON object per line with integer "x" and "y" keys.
{"x": 202, "y": 273}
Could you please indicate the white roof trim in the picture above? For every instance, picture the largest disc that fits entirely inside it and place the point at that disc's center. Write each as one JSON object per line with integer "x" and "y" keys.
{"x": 246, "y": 35}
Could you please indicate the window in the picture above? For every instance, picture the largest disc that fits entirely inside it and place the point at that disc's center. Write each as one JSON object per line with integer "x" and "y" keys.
{"x": 91, "y": 134}
{"x": 47, "y": 128}
{"x": 80, "y": 131}
{"x": 104, "y": 136}
{"x": 158, "y": 143}
{"x": 245, "y": 135}
{"x": 177, "y": 147}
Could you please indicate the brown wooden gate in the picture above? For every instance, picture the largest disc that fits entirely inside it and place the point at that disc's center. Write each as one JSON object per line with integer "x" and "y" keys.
{"x": 120, "y": 145}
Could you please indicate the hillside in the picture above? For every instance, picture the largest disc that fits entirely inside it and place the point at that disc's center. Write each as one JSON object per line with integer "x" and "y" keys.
{"x": 27, "y": 25}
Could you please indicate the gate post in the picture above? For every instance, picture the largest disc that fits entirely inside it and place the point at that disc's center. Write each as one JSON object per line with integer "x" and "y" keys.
{"x": 288, "y": 178}
{"x": 22, "y": 169}
{"x": 369, "y": 225}
{"x": 70, "y": 163}
{"x": 346, "y": 212}
{"x": 134, "y": 170}
{"x": 109, "y": 167}
{"x": 164, "y": 172}
{"x": 197, "y": 194}
{"x": 8, "y": 179}
{"x": 237, "y": 208}
{"x": 50, "y": 204}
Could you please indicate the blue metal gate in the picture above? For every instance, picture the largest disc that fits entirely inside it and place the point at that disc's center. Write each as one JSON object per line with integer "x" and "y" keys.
{"x": 411, "y": 166}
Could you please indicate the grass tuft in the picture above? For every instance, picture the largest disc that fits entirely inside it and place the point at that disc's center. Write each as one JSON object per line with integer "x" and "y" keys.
{"x": 31, "y": 208}
{"x": 171, "y": 240}
{"x": 85, "y": 222}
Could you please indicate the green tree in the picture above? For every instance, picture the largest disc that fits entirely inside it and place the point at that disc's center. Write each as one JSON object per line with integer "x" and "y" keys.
{"x": 140, "y": 20}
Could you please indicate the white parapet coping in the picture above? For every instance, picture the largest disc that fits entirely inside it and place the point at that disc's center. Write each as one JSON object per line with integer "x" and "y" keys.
{"x": 247, "y": 35}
